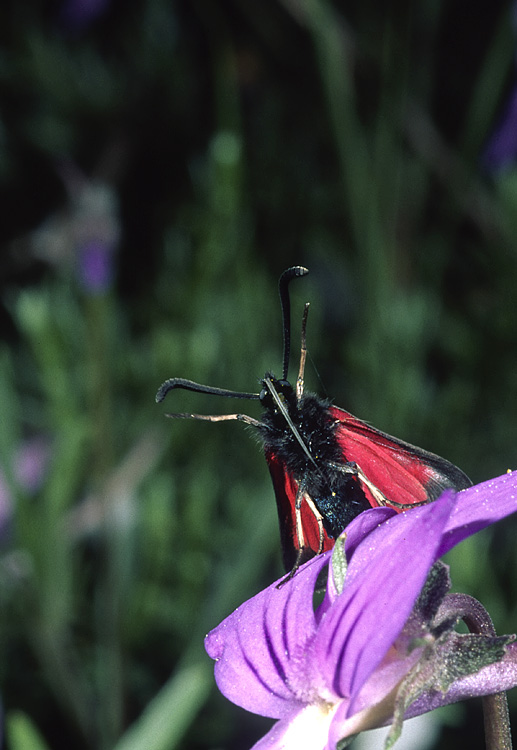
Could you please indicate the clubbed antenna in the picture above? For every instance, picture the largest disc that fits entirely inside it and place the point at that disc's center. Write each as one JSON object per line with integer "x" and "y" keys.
{"x": 283, "y": 288}
{"x": 189, "y": 385}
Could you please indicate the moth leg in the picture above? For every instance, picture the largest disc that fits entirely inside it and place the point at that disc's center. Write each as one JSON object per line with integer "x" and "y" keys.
{"x": 300, "y": 494}
{"x": 381, "y": 498}
{"x": 304, "y": 553}
{"x": 319, "y": 519}
{"x": 376, "y": 493}
{"x": 218, "y": 418}
{"x": 356, "y": 471}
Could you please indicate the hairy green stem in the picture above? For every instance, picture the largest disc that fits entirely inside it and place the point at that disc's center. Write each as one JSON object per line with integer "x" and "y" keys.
{"x": 498, "y": 734}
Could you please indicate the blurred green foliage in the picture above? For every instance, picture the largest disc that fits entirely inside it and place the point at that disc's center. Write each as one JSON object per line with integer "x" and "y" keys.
{"x": 212, "y": 144}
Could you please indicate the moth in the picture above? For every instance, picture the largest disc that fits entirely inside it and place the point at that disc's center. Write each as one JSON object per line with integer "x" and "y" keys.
{"x": 327, "y": 466}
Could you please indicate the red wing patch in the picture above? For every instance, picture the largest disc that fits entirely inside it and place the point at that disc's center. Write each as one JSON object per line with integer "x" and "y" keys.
{"x": 389, "y": 471}
{"x": 286, "y": 487}
{"x": 404, "y": 474}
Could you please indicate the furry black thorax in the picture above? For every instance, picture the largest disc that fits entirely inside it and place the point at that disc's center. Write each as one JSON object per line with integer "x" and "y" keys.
{"x": 337, "y": 494}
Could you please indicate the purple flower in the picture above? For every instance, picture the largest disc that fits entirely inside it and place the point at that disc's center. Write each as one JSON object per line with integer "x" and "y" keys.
{"x": 31, "y": 463}
{"x": 77, "y": 15}
{"x": 29, "y": 466}
{"x": 501, "y": 150}
{"x": 381, "y": 646}
{"x": 96, "y": 231}
{"x": 95, "y": 267}
{"x": 85, "y": 236}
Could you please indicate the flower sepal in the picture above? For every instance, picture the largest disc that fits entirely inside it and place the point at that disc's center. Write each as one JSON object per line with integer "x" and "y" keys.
{"x": 446, "y": 656}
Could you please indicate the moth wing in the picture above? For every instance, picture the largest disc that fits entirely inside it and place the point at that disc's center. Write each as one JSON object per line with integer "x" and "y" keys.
{"x": 286, "y": 488}
{"x": 404, "y": 474}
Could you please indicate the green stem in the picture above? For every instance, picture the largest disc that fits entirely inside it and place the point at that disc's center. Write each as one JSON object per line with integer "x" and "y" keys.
{"x": 108, "y": 592}
{"x": 498, "y": 734}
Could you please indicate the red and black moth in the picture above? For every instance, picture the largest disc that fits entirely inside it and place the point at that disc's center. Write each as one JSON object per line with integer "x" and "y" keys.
{"x": 327, "y": 466}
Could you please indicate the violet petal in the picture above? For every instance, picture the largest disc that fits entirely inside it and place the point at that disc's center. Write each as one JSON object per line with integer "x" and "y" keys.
{"x": 478, "y": 507}
{"x": 501, "y": 150}
{"x": 255, "y": 645}
{"x": 364, "y": 524}
{"x": 379, "y": 593}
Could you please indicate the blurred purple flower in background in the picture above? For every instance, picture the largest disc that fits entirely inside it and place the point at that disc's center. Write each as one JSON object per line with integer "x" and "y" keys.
{"x": 29, "y": 468}
{"x": 5, "y": 507}
{"x": 77, "y": 15}
{"x": 381, "y": 646}
{"x": 501, "y": 150}
{"x": 31, "y": 463}
{"x": 84, "y": 237}
{"x": 95, "y": 267}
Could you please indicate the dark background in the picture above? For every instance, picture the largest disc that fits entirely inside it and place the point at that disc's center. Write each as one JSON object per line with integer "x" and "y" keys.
{"x": 161, "y": 163}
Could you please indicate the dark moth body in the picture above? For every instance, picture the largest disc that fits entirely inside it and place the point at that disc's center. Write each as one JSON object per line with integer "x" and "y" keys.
{"x": 327, "y": 466}
{"x": 336, "y": 494}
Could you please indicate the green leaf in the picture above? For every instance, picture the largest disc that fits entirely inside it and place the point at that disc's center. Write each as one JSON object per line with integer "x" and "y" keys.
{"x": 22, "y": 734}
{"x": 165, "y": 720}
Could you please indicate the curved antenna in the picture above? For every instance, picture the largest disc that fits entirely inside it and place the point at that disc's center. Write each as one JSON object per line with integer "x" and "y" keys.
{"x": 283, "y": 289}
{"x": 189, "y": 385}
